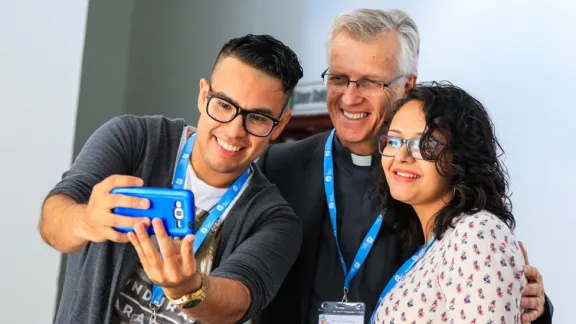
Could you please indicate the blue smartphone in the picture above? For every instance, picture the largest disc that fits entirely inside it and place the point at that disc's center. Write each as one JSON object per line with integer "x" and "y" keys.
{"x": 174, "y": 206}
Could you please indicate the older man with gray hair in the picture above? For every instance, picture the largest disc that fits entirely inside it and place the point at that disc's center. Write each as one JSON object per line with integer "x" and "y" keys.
{"x": 348, "y": 253}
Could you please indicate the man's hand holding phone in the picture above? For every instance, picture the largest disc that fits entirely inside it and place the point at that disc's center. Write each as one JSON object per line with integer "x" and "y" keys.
{"x": 97, "y": 219}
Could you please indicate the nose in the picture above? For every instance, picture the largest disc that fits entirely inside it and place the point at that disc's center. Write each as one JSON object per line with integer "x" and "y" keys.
{"x": 351, "y": 95}
{"x": 235, "y": 128}
{"x": 403, "y": 155}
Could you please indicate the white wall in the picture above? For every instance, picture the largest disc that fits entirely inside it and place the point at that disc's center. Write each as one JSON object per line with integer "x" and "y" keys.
{"x": 517, "y": 57}
{"x": 41, "y": 44}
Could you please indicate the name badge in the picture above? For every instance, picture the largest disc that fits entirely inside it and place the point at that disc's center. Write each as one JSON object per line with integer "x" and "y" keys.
{"x": 341, "y": 313}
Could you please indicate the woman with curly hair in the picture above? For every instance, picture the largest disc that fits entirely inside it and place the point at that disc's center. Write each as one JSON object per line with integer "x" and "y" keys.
{"x": 441, "y": 166}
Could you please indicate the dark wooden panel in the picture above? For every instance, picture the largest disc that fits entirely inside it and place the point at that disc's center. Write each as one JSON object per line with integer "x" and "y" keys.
{"x": 301, "y": 127}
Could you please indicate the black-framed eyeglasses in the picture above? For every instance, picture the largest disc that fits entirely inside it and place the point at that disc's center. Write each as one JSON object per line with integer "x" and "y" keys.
{"x": 390, "y": 146}
{"x": 223, "y": 111}
{"x": 366, "y": 87}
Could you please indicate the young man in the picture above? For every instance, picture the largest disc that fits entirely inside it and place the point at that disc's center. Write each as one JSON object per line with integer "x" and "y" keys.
{"x": 373, "y": 58}
{"x": 247, "y": 236}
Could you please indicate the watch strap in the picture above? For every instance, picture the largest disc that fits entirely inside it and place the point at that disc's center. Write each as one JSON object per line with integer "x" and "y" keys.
{"x": 193, "y": 298}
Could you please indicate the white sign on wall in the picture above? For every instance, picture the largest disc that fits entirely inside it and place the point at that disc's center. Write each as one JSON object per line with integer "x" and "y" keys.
{"x": 309, "y": 98}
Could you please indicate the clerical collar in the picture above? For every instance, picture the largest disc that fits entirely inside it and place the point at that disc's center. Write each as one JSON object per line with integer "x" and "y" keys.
{"x": 358, "y": 160}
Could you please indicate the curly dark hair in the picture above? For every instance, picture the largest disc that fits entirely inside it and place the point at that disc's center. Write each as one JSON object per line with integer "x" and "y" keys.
{"x": 474, "y": 169}
{"x": 267, "y": 54}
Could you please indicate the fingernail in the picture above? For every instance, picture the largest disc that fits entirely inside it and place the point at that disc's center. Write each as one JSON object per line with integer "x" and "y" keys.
{"x": 143, "y": 202}
{"x": 139, "y": 182}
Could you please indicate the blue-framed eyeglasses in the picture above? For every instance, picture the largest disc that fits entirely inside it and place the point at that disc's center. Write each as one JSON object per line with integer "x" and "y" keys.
{"x": 390, "y": 146}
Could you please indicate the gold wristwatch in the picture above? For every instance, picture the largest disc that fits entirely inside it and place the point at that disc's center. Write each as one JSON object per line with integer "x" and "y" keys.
{"x": 192, "y": 300}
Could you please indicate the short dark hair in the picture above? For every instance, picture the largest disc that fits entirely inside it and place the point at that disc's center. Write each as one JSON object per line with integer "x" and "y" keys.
{"x": 475, "y": 171}
{"x": 267, "y": 54}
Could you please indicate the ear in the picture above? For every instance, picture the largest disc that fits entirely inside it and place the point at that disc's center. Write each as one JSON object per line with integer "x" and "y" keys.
{"x": 204, "y": 87}
{"x": 410, "y": 83}
{"x": 286, "y": 115}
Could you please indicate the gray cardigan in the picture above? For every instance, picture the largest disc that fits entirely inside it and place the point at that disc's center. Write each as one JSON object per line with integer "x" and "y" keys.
{"x": 260, "y": 240}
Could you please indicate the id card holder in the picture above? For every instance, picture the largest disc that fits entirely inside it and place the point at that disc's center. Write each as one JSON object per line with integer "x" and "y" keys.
{"x": 341, "y": 313}
{"x": 148, "y": 319}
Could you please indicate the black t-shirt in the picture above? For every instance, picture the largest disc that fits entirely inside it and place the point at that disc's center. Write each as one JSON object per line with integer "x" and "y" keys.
{"x": 357, "y": 208}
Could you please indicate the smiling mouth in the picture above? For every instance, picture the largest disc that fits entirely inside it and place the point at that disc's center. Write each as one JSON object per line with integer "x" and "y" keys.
{"x": 227, "y": 146}
{"x": 354, "y": 116}
{"x": 406, "y": 175}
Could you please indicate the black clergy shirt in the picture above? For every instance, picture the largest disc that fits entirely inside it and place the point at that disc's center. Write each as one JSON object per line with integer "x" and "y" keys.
{"x": 357, "y": 208}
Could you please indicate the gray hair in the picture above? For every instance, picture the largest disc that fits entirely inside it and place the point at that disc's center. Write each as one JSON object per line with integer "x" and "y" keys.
{"x": 365, "y": 24}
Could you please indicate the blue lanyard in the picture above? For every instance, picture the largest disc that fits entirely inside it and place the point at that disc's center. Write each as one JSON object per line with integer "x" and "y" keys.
{"x": 330, "y": 196}
{"x": 215, "y": 214}
{"x": 401, "y": 273}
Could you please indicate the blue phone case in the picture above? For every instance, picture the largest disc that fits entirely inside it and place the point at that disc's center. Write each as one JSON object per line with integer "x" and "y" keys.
{"x": 174, "y": 206}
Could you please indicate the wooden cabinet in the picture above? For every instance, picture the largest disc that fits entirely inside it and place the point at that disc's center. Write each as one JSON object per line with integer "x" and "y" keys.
{"x": 302, "y": 126}
{"x": 309, "y": 113}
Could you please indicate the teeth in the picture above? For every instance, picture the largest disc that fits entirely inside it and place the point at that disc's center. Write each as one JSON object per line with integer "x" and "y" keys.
{"x": 354, "y": 116}
{"x": 228, "y": 147}
{"x": 408, "y": 175}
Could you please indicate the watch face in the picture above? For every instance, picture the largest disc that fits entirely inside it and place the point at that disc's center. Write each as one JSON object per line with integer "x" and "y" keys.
{"x": 191, "y": 304}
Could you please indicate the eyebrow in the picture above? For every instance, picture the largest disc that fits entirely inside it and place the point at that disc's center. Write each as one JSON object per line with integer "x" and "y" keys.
{"x": 266, "y": 111}
{"x": 399, "y": 132}
{"x": 371, "y": 77}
